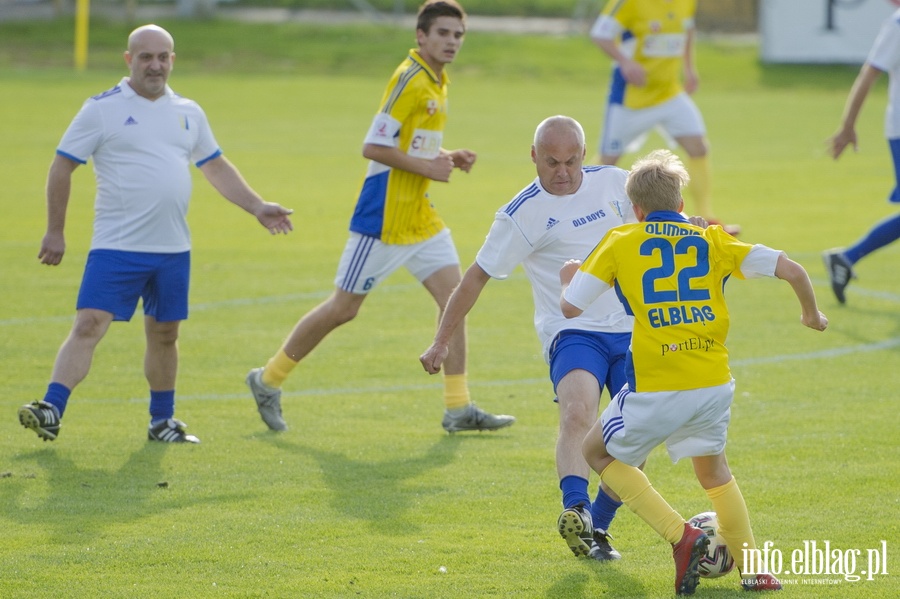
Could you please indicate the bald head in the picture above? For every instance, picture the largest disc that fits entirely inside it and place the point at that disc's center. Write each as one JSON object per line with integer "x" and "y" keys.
{"x": 558, "y": 153}
{"x": 150, "y": 55}
{"x": 144, "y": 32}
{"x": 557, "y": 127}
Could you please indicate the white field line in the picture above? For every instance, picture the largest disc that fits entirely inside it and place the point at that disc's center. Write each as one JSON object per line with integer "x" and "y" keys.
{"x": 319, "y": 295}
{"x": 243, "y": 302}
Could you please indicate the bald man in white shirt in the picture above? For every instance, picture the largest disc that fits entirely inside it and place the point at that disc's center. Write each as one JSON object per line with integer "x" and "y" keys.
{"x": 143, "y": 138}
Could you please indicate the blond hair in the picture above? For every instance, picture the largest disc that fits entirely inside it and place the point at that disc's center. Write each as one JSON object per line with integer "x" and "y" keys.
{"x": 655, "y": 182}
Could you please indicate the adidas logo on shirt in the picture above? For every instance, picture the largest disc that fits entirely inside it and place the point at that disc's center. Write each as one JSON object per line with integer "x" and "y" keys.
{"x": 551, "y": 223}
{"x": 130, "y": 121}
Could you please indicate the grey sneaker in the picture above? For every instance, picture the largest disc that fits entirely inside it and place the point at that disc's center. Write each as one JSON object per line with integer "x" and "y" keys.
{"x": 475, "y": 419}
{"x": 577, "y": 529}
{"x": 268, "y": 400}
{"x": 170, "y": 431}
{"x": 840, "y": 271}
{"x": 42, "y": 418}
{"x": 601, "y": 550}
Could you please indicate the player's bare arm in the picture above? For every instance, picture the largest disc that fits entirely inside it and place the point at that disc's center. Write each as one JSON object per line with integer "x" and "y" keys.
{"x": 566, "y": 274}
{"x": 436, "y": 169}
{"x": 846, "y": 134}
{"x": 698, "y": 221}
{"x": 464, "y": 160}
{"x": 460, "y": 303}
{"x": 691, "y": 77}
{"x": 274, "y": 217}
{"x": 59, "y": 185}
{"x": 227, "y": 180}
{"x": 798, "y": 278}
{"x": 632, "y": 71}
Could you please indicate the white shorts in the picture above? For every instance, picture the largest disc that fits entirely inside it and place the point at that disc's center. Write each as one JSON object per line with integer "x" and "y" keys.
{"x": 691, "y": 423}
{"x": 367, "y": 261}
{"x": 625, "y": 130}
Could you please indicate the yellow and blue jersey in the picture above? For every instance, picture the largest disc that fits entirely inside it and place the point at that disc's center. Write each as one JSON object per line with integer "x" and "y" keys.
{"x": 654, "y": 33}
{"x": 670, "y": 275}
{"x": 393, "y": 204}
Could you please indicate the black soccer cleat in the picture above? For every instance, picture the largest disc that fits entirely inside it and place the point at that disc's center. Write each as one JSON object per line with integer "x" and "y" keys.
{"x": 840, "y": 271}
{"x": 170, "y": 431}
{"x": 42, "y": 418}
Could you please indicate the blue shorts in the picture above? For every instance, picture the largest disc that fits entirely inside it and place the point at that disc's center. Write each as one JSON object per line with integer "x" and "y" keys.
{"x": 601, "y": 354}
{"x": 114, "y": 280}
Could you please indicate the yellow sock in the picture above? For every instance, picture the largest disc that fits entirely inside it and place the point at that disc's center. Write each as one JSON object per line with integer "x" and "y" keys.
{"x": 734, "y": 520}
{"x": 456, "y": 391}
{"x": 277, "y": 369}
{"x": 700, "y": 186}
{"x": 635, "y": 490}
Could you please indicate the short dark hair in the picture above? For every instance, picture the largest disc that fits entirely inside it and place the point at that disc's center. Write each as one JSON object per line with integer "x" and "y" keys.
{"x": 432, "y": 9}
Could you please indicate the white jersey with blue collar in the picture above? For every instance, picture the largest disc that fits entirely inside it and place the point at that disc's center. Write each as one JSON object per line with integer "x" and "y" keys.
{"x": 541, "y": 231}
{"x": 142, "y": 151}
{"x": 885, "y": 56}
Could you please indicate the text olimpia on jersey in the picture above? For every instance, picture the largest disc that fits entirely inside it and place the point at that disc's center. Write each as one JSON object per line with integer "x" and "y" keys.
{"x": 671, "y": 275}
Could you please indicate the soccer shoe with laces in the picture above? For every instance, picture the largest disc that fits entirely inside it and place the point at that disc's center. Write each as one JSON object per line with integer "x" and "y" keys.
{"x": 840, "y": 271}
{"x": 687, "y": 553}
{"x": 475, "y": 419}
{"x": 576, "y": 528}
{"x": 268, "y": 400}
{"x": 601, "y": 550}
{"x": 170, "y": 431}
{"x": 762, "y": 582}
{"x": 42, "y": 418}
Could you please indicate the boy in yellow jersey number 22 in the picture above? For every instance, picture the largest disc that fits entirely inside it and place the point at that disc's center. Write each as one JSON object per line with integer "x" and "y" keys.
{"x": 670, "y": 276}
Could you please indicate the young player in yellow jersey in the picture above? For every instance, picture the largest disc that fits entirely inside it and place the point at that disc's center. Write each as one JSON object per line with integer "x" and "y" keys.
{"x": 670, "y": 276}
{"x": 394, "y": 223}
{"x": 652, "y": 42}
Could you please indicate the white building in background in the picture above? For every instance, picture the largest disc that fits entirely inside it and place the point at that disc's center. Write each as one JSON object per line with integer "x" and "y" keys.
{"x": 820, "y": 31}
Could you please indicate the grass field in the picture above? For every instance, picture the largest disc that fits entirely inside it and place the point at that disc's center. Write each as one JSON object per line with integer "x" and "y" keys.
{"x": 366, "y": 496}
